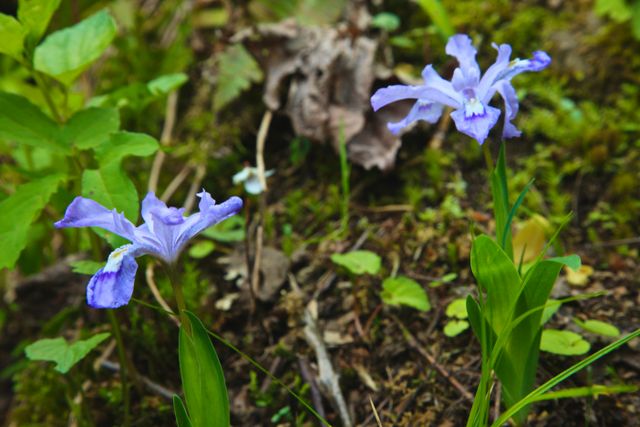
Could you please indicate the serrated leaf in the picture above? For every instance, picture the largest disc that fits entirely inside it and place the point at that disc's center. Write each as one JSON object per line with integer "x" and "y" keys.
{"x": 598, "y": 327}
{"x": 358, "y": 262}
{"x": 19, "y": 210}
{"x": 86, "y": 267}
{"x": 65, "y": 54}
{"x": 91, "y": 127}
{"x": 59, "y": 351}
{"x": 201, "y": 249}
{"x": 229, "y": 230}
{"x": 12, "y": 35}
{"x": 565, "y": 343}
{"x": 35, "y": 15}
{"x": 110, "y": 187}
{"x": 457, "y": 308}
{"x": 455, "y": 327}
{"x": 202, "y": 377}
{"x": 24, "y": 123}
{"x": 405, "y": 291}
{"x": 237, "y": 70}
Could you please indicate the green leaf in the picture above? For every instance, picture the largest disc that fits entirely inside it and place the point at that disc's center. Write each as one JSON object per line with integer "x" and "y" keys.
{"x": 166, "y": 84}
{"x": 138, "y": 95}
{"x": 12, "y": 36}
{"x": 501, "y": 206}
{"x": 455, "y": 327}
{"x": 402, "y": 290}
{"x": 358, "y": 262}
{"x": 24, "y": 123}
{"x": 201, "y": 249}
{"x": 571, "y": 261}
{"x": 202, "y": 377}
{"x": 182, "y": 419}
{"x": 59, "y": 351}
{"x": 236, "y": 71}
{"x": 615, "y": 9}
{"x": 386, "y": 21}
{"x": 65, "y": 54}
{"x": 229, "y": 230}
{"x": 495, "y": 273}
{"x": 19, "y": 210}
{"x": 565, "y": 343}
{"x": 35, "y": 16}
{"x": 91, "y": 127}
{"x": 110, "y": 187}
{"x": 457, "y": 308}
{"x": 550, "y": 309}
{"x": 439, "y": 16}
{"x": 86, "y": 267}
{"x": 123, "y": 144}
{"x": 598, "y": 327}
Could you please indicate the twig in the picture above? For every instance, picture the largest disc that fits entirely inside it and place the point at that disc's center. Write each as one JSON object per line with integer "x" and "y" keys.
{"x": 441, "y": 131}
{"x": 316, "y": 398}
{"x": 193, "y": 189}
{"x": 414, "y": 343}
{"x": 255, "y": 275}
{"x": 260, "y": 142}
{"x": 149, "y": 275}
{"x": 175, "y": 183}
{"x": 165, "y": 139}
{"x": 329, "y": 380}
{"x": 155, "y": 387}
{"x": 375, "y": 412}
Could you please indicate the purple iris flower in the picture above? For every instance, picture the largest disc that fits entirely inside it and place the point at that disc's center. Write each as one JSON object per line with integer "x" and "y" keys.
{"x": 467, "y": 93}
{"x": 164, "y": 234}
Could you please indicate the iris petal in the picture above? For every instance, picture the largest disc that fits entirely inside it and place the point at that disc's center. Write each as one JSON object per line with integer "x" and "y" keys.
{"x": 428, "y": 111}
{"x": 510, "y": 98}
{"x": 461, "y": 47}
{"x": 112, "y": 285}
{"x": 476, "y": 126}
{"x": 84, "y": 212}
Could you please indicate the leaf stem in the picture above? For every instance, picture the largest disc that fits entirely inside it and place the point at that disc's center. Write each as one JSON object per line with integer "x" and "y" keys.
{"x": 179, "y": 296}
{"x": 126, "y": 397}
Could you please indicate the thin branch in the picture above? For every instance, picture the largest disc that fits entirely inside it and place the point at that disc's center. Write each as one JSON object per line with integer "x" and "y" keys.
{"x": 149, "y": 275}
{"x": 165, "y": 139}
{"x": 175, "y": 183}
{"x": 260, "y": 142}
{"x": 201, "y": 171}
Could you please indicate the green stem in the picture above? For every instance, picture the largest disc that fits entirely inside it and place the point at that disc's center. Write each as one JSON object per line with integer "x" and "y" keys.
{"x": 179, "y": 296}
{"x": 126, "y": 398}
{"x": 488, "y": 159}
{"x": 47, "y": 96}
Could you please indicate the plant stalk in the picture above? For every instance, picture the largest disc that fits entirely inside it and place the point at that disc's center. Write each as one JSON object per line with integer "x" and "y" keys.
{"x": 126, "y": 397}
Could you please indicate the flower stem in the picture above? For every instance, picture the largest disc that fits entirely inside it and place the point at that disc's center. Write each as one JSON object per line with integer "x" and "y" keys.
{"x": 488, "y": 159}
{"x": 126, "y": 398}
{"x": 179, "y": 296}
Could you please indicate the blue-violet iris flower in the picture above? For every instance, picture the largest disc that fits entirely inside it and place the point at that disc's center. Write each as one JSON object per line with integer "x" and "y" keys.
{"x": 467, "y": 93}
{"x": 163, "y": 235}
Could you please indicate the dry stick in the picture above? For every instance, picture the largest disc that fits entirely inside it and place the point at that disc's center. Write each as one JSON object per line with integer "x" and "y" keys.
{"x": 441, "y": 131}
{"x": 175, "y": 183}
{"x": 375, "y": 412}
{"x": 149, "y": 275}
{"x": 328, "y": 377}
{"x": 316, "y": 397}
{"x": 193, "y": 189}
{"x": 260, "y": 143}
{"x": 165, "y": 139}
{"x": 414, "y": 343}
{"x": 155, "y": 387}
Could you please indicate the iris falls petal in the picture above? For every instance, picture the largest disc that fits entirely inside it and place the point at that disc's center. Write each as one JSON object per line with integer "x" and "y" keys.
{"x": 112, "y": 285}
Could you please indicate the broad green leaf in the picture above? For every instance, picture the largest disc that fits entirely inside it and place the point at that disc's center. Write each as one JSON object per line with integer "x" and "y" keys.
{"x": 19, "y": 210}
{"x": 123, "y": 144}
{"x": 358, "y": 262}
{"x": 35, "y": 15}
{"x": 11, "y": 36}
{"x": 230, "y": 230}
{"x": 202, "y": 377}
{"x": 475, "y": 317}
{"x": 550, "y": 309}
{"x": 91, "y": 127}
{"x": 86, "y": 266}
{"x": 598, "y": 327}
{"x": 457, "y": 308}
{"x": 495, "y": 272}
{"x": 65, "y": 54}
{"x": 565, "y": 343}
{"x": 24, "y": 123}
{"x": 201, "y": 249}
{"x": 455, "y": 327}
{"x": 405, "y": 291}
{"x": 572, "y": 261}
{"x": 182, "y": 419}
{"x": 237, "y": 70}
{"x": 110, "y": 187}
{"x": 386, "y": 21}
{"x": 64, "y": 355}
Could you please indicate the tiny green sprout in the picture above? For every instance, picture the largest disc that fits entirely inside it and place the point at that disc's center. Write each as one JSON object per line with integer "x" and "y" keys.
{"x": 565, "y": 343}
{"x": 64, "y": 355}
{"x": 358, "y": 262}
{"x": 402, "y": 290}
{"x": 457, "y": 311}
